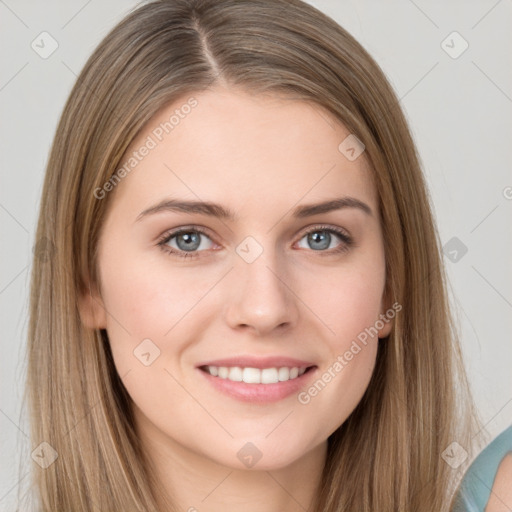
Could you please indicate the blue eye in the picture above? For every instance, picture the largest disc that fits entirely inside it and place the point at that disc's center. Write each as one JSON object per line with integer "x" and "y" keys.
{"x": 321, "y": 237}
{"x": 188, "y": 241}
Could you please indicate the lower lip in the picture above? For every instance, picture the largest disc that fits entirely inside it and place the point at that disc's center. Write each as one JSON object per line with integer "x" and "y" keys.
{"x": 259, "y": 393}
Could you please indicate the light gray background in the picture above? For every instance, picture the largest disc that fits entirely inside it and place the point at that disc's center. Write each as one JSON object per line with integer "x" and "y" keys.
{"x": 459, "y": 110}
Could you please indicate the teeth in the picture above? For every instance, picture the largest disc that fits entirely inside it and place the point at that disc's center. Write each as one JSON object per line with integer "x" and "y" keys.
{"x": 251, "y": 376}
{"x": 284, "y": 373}
{"x": 269, "y": 375}
{"x": 235, "y": 374}
{"x": 255, "y": 375}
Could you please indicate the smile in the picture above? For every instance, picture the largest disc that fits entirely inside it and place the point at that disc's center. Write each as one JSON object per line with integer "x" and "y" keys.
{"x": 257, "y": 385}
{"x": 255, "y": 375}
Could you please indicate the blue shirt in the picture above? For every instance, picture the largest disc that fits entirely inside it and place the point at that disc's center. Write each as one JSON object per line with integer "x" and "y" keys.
{"x": 475, "y": 489}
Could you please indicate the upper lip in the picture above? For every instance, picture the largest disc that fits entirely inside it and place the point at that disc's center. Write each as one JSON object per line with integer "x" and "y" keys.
{"x": 259, "y": 362}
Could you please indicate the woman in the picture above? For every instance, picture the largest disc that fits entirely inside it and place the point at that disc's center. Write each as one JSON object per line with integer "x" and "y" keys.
{"x": 246, "y": 305}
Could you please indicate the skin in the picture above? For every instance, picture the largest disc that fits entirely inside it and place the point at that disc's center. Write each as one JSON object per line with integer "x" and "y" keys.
{"x": 260, "y": 156}
{"x": 500, "y": 499}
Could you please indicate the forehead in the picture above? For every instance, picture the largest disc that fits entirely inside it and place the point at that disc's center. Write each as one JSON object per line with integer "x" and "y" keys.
{"x": 243, "y": 149}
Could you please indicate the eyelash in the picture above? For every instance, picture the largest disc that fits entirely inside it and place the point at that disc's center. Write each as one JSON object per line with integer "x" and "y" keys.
{"x": 347, "y": 241}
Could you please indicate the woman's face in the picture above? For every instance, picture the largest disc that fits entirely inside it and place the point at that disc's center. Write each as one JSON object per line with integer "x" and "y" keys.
{"x": 270, "y": 288}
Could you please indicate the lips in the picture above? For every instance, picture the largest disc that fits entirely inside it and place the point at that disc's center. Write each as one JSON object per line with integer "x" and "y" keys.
{"x": 292, "y": 374}
{"x": 258, "y": 362}
{"x": 258, "y": 393}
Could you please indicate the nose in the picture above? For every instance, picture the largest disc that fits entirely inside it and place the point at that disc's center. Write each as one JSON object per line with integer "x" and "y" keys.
{"x": 260, "y": 297}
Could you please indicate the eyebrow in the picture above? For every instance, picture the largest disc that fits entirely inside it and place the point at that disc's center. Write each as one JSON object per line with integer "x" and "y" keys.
{"x": 217, "y": 210}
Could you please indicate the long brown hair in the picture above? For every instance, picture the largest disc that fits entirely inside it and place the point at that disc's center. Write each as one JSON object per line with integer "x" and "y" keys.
{"x": 387, "y": 456}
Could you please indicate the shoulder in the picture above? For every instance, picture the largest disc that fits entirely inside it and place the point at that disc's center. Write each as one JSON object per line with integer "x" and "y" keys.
{"x": 500, "y": 499}
{"x": 487, "y": 485}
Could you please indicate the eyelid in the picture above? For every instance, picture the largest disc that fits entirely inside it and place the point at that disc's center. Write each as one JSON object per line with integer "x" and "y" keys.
{"x": 326, "y": 227}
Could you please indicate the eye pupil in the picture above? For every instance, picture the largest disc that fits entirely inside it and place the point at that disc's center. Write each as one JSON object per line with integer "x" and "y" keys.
{"x": 190, "y": 238}
{"x": 323, "y": 237}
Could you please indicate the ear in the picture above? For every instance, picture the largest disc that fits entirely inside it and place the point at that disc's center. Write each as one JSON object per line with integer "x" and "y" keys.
{"x": 385, "y": 318}
{"x": 388, "y": 325}
{"x": 91, "y": 307}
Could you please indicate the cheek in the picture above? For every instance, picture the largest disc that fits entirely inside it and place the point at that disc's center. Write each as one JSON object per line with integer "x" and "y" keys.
{"x": 151, "y": 299}
{"x": 347, "y": 301}
{"x": 150, "y": 309}
{"x": 348, "y": 304}
{"x": 339, "y": 387}
{"x": 149, "y": 296}
{"x": 350, "y": 308}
